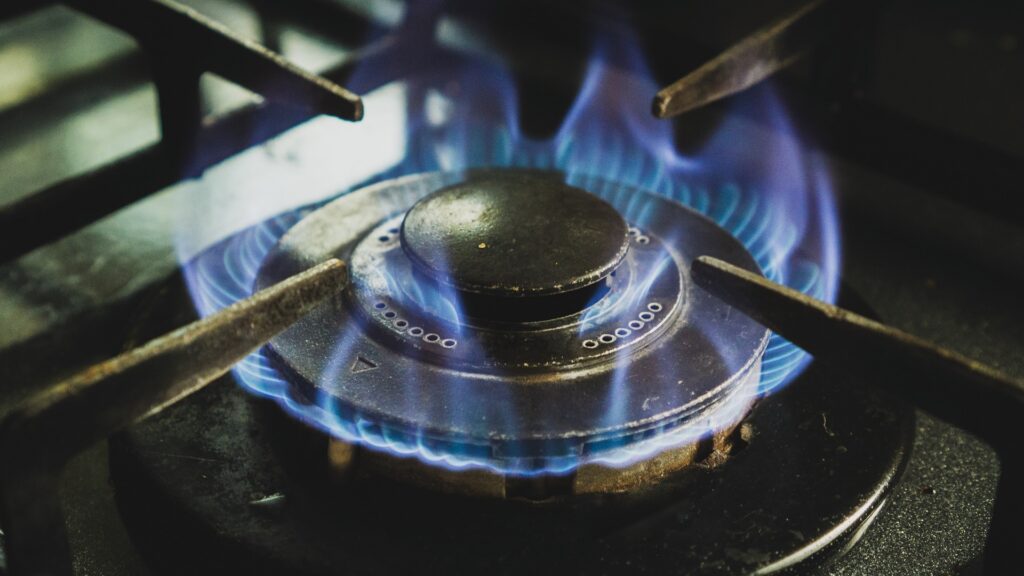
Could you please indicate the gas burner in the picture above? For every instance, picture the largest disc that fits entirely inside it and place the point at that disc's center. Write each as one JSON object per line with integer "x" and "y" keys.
{"x": 520, "y": 325}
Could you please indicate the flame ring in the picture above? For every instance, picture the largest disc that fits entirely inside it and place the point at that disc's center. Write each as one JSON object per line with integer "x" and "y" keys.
{"x": 225, "y": 273}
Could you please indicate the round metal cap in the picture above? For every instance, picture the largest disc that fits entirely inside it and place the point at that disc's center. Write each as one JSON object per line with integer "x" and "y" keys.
{"x": 514, "y": 234}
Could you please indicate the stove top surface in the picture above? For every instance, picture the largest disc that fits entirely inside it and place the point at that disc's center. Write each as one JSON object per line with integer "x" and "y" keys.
{"x": 828, "y": 472}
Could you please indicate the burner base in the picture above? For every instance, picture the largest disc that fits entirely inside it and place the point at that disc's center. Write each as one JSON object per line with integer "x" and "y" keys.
{"x": 346, "y": 460}
{"x": 203, "y": 489}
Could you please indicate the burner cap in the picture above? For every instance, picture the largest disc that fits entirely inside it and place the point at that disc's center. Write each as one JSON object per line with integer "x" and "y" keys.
{"x": 514, "y": 234}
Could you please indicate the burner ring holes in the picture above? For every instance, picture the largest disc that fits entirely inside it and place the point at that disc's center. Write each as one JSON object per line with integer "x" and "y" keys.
{"x": 591, "y": 344}
{"x": 383, "y": 238}
{"x": 646, "y": 316}
{"x": 623, "y": 332}
{"x": 449, "y": 343}
{"x": 633, "y": 231}
{"x": 432, "y": 338}
{"x": 416, "y": 331}
{"x": 654, "y": 307}
{"x": 390, "y": 314}
{"x": 606, "y": 338}
{"x": 636, "y": 324}
{"x": 380, "y": 306}
{"x": 643, "y": 240}
{"x": 401, "y": 324}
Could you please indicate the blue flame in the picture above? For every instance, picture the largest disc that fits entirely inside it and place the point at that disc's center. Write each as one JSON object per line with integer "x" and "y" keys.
{"x": 752, "y": 178}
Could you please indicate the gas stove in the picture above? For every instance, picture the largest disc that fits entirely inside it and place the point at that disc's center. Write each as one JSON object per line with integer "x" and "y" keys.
{"x": 461, "y": 314}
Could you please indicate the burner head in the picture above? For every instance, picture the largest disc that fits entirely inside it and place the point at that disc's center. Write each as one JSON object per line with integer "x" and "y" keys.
{"x": 408, "y": 358}
{"x": 515, "y": 234}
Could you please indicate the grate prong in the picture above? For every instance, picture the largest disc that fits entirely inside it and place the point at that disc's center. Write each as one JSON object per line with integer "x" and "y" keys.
{"x": 747, "y": 62}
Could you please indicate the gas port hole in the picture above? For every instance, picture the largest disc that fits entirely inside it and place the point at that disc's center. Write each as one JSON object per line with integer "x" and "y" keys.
{"x": 401, "y": 323}
{"x": 622, "y": 332}
{"x": 654, "y": 307}
{"x": 607, "y": 338}
{"x": 646, "y": 316}
{"x": 390, "y": 314}
{"x": 448, "y": 343}
{"x": 589, "y": 344}
{"x": 636, "y": 324}
{"x": 380, "y": 305}
{"x": 415, "y": 330}
{"x": 431, "y": 338}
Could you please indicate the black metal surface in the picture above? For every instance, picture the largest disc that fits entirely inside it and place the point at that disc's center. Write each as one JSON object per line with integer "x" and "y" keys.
{"x": 965, "y": 392}
{"x": 39, "y": 437}
{"x": 557, "y": 378}
{"x": 207, "y": 476}
{"x": 951, "y": 386}
{"x": 833, "y": 104}
{"x": 514, "y": 233}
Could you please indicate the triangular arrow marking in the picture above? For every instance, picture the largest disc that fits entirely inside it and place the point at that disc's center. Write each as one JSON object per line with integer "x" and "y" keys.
{"x": 363, "y": 364}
